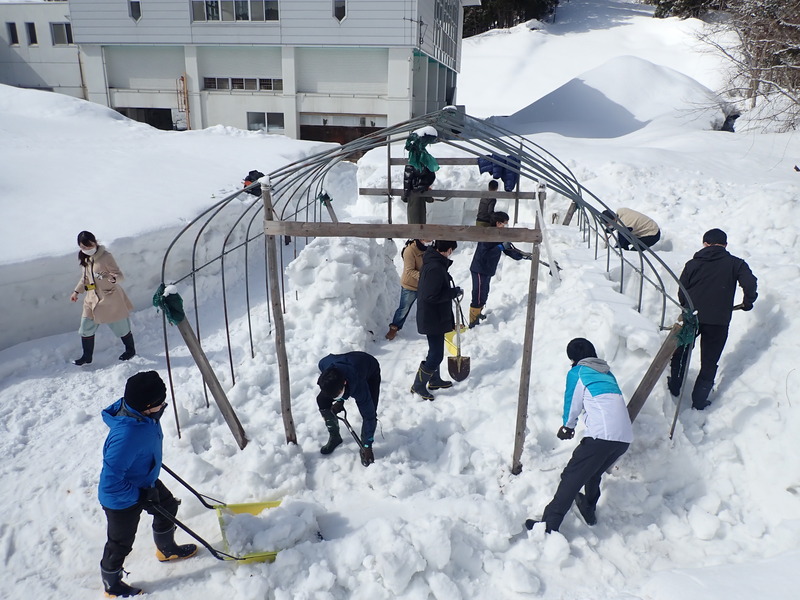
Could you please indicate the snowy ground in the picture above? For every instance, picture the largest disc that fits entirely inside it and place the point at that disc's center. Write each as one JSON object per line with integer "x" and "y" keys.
{"x": 711, "y": 514}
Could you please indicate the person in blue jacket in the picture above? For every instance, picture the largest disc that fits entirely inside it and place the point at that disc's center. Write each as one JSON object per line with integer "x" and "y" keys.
{"x": 592, "y": 390}
{"x": 356, "y": 375}
{"x": 484, "y": 266}
{"x": 129, "y": 480}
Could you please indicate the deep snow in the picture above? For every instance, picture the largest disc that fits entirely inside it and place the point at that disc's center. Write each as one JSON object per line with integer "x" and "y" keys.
{"x": 711, "y": 514}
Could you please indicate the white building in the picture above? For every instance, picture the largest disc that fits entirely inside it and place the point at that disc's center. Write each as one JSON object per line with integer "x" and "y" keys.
{"x": 328, "y": 70}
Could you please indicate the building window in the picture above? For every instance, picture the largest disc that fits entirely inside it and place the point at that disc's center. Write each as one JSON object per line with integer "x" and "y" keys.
{"x": 30, "y": 29}
{"x": 340, "y": 9}
{"x": 259, "y": 121}
{"x": 243, "y": 83}
{"x": 13, "y": 38}
{"x": 135, "y": 10}
{"x": 234, "y": 10}
{"x": 62, "y": 34}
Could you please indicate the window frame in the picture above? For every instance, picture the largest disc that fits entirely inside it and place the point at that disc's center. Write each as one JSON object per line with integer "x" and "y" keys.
{"x": 13, "y": 34}
{"x": 342, "y": 6}
{"x": 30, "y": 31}
{"x": 233, "y": 11}
{"x": 131, "y": 12}
{"x": 67, "y": 31}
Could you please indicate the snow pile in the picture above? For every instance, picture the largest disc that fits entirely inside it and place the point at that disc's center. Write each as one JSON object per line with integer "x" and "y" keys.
{"x": 271, "y": 530}
{"x": 620, "y": 97}
{"x": 711, "y": 513}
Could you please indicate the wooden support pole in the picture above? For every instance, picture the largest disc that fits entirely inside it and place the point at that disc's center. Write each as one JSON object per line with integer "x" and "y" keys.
{"x": 437, "y": 193}
{"x": 652, "y": 375}
{"x": 525, "y": 369}
{"x": 571, "y": 211}
{"x": 200, "y": 358}
{"x": 468, "y": 233}
{"x": 273, "y": 277}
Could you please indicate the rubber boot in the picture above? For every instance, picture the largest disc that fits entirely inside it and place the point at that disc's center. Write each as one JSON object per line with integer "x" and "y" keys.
{"x": 332, "y": 423}
{"x": 88, "y": 350}
{"x": 393, "y": 329}
{"x": 702, "y": 389}
{"x": 130, "y": 350}
{"x": 437, "y": 383}
{"x": 167, "y": 549}
{"x": 115, "y": 587}
{"x": 475, "y": 316}
{"x": 420, "y": 385}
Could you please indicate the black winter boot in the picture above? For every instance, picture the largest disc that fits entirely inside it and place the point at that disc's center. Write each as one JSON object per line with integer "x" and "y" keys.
{"x": 167, "y": 549}
{"x": 420, "y": 385}
{"x": 702, "y": 389}
{"x": 130, "y": 350}
{"x": 115, "y": 587}
{"x": 437, "y": 383}
{"x": 87, "y": 343}
{"x": 334, "y": 439}
{"x": 587, "y": 512}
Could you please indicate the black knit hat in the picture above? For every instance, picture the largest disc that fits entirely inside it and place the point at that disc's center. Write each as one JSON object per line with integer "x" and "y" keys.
{"x": 715, "y": 236}
{"x": 580, "y": 348}
{"x": 145, "y": 390}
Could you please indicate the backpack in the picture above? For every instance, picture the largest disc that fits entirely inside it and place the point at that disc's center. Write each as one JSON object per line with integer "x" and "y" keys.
{"x": 252, "y": 177}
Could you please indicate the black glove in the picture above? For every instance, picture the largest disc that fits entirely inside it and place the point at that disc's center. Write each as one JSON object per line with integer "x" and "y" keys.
{"x": 747, "y": 306}
{"x": 337, "y": 406}
{"x": 148, "y": 495}
{"x": 367, "y": 457}
{"x": 459, "y": 293}
{"x": 565, "y": 433}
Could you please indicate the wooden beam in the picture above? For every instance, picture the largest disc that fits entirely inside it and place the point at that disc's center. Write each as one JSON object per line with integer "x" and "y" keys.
{"x": 452, "y": 161}
{"x": 273, "y": 275}
{"x": 467, "y": 233}
{"x": 434, "y": 193}
{"x": 660, "y": 362}
{"x": 525, "y": 369}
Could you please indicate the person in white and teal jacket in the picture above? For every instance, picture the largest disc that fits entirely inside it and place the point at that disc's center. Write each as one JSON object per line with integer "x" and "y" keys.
{"x": 591, "y": 390}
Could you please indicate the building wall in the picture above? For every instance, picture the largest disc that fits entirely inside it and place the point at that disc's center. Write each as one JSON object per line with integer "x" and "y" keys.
{"x": 383, "y": 63}
{"x": 42, "y": 65}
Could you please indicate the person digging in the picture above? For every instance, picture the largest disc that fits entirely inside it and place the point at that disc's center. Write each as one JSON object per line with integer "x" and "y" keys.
{"x": 356, "y": 375}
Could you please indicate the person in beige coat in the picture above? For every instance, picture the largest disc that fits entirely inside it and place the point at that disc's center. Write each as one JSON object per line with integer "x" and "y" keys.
{"x": 412, "y": 263}
{"x": 641, "y": 227}
{"x": 105, "y": 301}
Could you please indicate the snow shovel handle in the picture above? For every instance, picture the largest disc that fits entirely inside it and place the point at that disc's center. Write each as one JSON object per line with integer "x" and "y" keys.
{"x": 344, "y": 420}
{"x": 191, "y": 489}
{"x": 218, "y": 554}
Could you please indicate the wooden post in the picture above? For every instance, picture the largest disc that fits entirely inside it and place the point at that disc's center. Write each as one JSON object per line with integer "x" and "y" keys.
{"x": 657, "y": 367}
{"x": 277, "y": 313}
{"x": 389, "y": 178}
{"x": 200, "y": 358}
{"x": 525, "y": 370}
{"x": 568, "y": 217}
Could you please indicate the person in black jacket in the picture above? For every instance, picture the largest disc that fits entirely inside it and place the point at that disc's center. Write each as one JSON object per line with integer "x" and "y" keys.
{"x": 486, "y": 207}
{"x": 355, "y": 374}
{"x": 484, "y": 266}
{"x": 435, "y": 295}
{"x": 710, "y": 279}
{"x": 415, "y": 184}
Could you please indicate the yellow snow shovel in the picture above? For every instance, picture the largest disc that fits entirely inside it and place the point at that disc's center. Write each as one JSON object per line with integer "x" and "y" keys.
{"x": 458, "y": 366}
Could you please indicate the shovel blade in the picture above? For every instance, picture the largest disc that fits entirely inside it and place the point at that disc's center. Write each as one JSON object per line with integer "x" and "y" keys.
{"x": 458, "y": 367}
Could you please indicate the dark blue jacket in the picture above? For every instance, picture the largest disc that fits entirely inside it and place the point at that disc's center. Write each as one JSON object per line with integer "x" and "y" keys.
{"x": 131, "y": 456}
{"x": 505, "y": 168}
{"x": 358, "y": 368}
{"x": 435, "y": 295}
{"x": 487, "y": 255}
{"x": 710, "y": 278}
